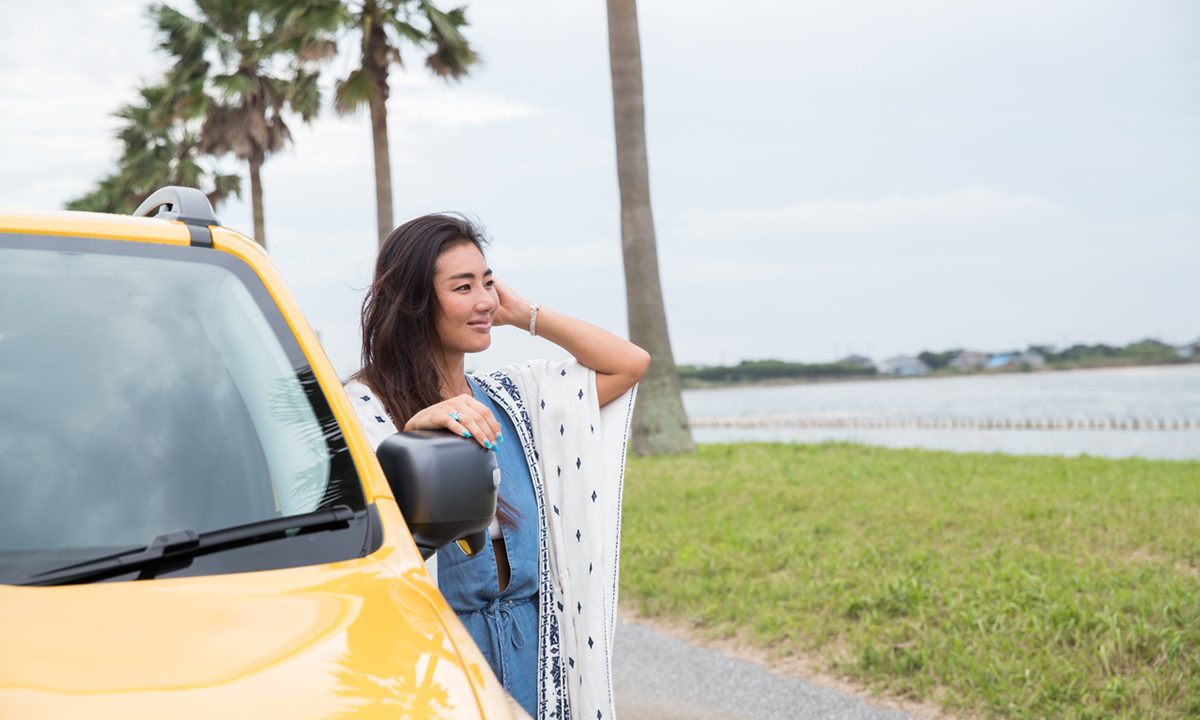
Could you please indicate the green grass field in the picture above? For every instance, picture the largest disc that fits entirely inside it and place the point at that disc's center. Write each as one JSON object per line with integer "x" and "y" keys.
{"x": 1003, "y": 586}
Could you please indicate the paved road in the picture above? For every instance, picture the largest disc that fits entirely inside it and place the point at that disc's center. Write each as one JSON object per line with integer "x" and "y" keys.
{"x": 659, "y": 677}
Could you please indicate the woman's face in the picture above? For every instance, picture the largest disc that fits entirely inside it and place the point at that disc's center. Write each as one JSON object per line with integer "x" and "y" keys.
{"x": 466, "y": 299}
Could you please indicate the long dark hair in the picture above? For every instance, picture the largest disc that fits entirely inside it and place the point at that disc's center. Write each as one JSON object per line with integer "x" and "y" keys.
{"x": 401, "y": 347}
{"x": 401, "y": 350}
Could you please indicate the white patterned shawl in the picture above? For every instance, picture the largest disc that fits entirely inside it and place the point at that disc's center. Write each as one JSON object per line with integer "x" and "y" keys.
{"x": 576, "y": 454}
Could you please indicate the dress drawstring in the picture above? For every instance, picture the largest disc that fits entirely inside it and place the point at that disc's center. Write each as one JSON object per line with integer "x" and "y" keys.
{"x": 501, "y": 622}
{"x": 499, "y": 611}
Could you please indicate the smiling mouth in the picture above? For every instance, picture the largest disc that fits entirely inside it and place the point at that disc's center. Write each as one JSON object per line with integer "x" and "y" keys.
{"x": 480, "y": 325}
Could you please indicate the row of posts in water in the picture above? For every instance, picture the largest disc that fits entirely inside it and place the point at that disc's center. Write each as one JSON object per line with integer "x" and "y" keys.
{"x": 946, "y": 423}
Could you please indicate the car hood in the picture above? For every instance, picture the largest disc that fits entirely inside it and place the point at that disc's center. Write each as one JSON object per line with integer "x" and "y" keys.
{"x": 349, "y": 640}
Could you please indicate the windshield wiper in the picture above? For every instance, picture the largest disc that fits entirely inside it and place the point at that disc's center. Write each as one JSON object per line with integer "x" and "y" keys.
{"x": 171, "y": 547}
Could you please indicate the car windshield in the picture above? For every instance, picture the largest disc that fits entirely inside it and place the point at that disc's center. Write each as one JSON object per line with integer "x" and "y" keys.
{"x": 148, "y": 388}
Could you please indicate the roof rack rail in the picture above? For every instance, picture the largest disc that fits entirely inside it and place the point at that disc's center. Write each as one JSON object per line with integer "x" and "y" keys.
{"x": 185, "y": 204}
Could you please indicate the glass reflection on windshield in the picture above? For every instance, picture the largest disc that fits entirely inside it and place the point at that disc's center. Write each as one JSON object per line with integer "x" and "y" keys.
{"x": 143, "y": 394}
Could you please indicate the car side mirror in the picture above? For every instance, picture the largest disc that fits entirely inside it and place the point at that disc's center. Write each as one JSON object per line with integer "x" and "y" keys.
{"x": 446, "y": 487}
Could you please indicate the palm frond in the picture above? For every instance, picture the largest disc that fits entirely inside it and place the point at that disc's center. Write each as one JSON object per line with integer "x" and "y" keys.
{"x": 304, "y": 95}
{"x": 107, "y": 196}
{"x": 279, "y": 135}
{"x": 302, "y": 24}
{"x": 354, "y": 92}
{"x": 254, "y": 130}
{"x": 452, "y": 56}
{"x": 318, "y": 50}
{"x": 451, "y": 62}
{"x": 223, "y": 186}
{"x": 444, "y": 24}
{"x": 219, "y": 131}
{"x": 406, "y": 30}
{"x": 234, "y": 86}
{"x": 180, "y": 36}
{"x": 157, "y": 150}
{"x": 187, "y": 172}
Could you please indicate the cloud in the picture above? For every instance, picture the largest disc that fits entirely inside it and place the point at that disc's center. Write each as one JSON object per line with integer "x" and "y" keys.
{"x": 895, "y": 176}
{"x": 559, "y": 258}
{"x": 962, "y": 209}
{"x": 970, "y": 266}
{"x": 456, "y": 107}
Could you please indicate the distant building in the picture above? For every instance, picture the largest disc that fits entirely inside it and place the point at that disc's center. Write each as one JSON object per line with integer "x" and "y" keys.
{"x": 903, "y": 365}
{"x": 857, "y": 361}
{"x": 1016, "y": 361}
{"x": 999, "y": 361}
{"x": 1031, "y": 359}
{"x": 968, "y": 360}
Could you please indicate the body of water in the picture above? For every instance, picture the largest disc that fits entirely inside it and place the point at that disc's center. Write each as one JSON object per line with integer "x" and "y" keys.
{"x": 901, "y": 410}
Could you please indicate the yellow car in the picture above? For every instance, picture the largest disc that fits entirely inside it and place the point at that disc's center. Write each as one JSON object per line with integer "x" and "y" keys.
{"x": 192, "y": 523}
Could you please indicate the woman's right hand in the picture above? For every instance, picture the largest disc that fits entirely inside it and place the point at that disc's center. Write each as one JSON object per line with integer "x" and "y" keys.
{"x": 462, "y": 415}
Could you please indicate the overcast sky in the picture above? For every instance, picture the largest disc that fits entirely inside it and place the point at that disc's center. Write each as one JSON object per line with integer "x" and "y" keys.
{"x": 860, "y": 176}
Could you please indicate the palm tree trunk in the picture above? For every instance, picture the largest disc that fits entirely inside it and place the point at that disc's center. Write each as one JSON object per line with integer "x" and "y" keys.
{"x": 383, "y": 168}
{"x": 256, "y": 199}
{"x": 659, "y": 424}
{"x": 376, "y": 58}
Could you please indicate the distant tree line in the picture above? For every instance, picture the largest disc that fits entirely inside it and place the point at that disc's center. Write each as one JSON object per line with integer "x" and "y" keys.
{"x": 938, "y": 360}
{"x": 1143, "y": 352}
{"x": 749, "y": 371}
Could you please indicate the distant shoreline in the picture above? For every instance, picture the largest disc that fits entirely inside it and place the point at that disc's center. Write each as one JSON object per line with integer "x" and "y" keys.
{"x": 692, "y": 384}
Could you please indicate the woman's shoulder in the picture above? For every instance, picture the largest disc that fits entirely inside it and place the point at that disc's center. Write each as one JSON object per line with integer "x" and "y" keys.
{"x": 370, "y": 411}
{"x": 364, "y": 400}
{"x": 359, "y": 392}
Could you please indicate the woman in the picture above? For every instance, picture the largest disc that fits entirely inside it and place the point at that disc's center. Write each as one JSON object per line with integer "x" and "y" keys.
{"x": 541, "y": 601}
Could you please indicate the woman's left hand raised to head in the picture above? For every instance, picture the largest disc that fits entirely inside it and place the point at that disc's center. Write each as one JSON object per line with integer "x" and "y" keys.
{"x": 618, "y": 363}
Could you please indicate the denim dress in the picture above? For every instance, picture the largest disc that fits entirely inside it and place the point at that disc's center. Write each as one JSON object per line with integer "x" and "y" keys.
{"x": 504, "y": 624}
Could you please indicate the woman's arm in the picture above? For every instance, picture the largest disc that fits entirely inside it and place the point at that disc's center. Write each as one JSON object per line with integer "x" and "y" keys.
{"x": 618, "y": 363}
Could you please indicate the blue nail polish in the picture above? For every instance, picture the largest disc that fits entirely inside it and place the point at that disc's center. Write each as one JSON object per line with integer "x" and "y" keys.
{"x": 466, "y": 433}
{"x": 487, "y": 444}
{"x": 500, "y": 438}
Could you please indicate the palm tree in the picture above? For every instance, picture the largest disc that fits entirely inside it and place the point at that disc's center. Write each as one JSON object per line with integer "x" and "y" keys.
{"x": 157, "y": 150}
{"x": 227, "y": 72}
{"x": 384, "y": 26}
{"x": 659, "y": 424}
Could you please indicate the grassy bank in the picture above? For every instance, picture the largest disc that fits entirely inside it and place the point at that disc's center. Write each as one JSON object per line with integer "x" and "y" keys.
{"x": 1007, "y": 586}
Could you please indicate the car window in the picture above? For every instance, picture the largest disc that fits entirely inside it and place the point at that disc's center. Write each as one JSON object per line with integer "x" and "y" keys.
{"x": 145, "y": 389}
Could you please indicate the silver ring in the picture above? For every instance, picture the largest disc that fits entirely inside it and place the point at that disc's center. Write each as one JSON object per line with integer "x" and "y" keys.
{"x": 455, "y": 416}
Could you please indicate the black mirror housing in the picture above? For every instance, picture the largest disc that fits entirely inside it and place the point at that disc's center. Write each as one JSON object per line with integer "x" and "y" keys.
{"x": 446, "y": 487}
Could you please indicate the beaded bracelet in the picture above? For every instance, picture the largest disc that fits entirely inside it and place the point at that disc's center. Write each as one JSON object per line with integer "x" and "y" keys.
{"x": 533, "y": 309}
